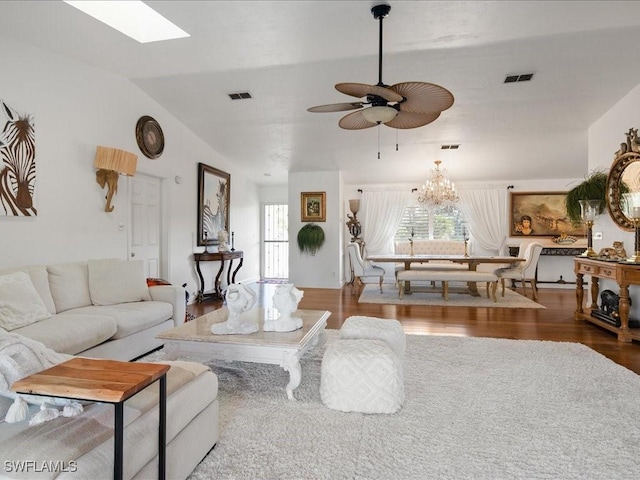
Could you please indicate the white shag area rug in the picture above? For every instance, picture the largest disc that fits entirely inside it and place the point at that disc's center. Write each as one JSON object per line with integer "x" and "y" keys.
{"x": 475, "y": 408}
{"x": 458, "y": 297}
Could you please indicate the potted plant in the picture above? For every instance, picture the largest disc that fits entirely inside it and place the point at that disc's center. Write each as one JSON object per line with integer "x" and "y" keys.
{"x": 310, "y": 238}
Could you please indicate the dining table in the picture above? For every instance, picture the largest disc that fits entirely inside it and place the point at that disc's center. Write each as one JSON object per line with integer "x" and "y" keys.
{"x": 472, "y": 261}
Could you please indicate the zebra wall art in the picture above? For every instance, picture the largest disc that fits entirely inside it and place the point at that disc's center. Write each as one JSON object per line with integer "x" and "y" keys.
{"x": 17, "y": 163}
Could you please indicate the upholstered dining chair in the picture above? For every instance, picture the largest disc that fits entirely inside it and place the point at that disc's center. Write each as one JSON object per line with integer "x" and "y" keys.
{"x": 524, "y": 271}
{"x": 363, "y": 271}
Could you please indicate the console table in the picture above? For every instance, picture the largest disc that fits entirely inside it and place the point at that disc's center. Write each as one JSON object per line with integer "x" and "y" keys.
{"x": 221, "y": 257}
{"x": 624, "y": 274}
{"x": 568, "y": 251}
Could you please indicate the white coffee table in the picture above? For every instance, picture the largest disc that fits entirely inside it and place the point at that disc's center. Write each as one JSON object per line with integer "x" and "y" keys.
{"x": 194, "y": 339}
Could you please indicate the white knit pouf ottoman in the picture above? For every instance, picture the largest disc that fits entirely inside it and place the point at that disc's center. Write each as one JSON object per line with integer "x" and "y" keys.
{"x": 361, "y": 376}
{"x": 373, "y": 328}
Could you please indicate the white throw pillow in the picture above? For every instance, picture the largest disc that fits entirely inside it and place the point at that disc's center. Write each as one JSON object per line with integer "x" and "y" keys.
{"x": 117, "y": 281}
{"x": 20, "y": 303}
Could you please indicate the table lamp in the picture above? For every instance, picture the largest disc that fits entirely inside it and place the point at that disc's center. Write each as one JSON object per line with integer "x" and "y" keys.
{"x": 631, "y": 203}
{"x": 589, "y": 211}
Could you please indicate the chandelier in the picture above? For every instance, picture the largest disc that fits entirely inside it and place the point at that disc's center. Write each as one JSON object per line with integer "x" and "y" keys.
{"x": 438, "y": 189}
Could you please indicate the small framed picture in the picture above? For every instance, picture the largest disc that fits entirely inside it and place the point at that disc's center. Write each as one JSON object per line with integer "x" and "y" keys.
{"x": 313, "y": 206}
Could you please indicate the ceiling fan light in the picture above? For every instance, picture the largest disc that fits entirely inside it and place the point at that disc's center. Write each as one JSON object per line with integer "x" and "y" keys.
{"x": 379, "y": 114}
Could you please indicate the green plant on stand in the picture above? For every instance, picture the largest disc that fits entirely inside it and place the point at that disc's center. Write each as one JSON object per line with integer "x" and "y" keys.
{"x": 310, "y": 238}
{"x": 594, "y": 187}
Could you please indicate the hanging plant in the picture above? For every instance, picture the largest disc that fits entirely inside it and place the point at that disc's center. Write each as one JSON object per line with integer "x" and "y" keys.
{"x": 594, "y": 187}
{"x": 310, "y": 238}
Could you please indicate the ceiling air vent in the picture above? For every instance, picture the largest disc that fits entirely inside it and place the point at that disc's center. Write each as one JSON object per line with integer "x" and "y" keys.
{"x": 524, "y": 77}
{"x": 240, "y": 96}
{"x": 449, "y": 147}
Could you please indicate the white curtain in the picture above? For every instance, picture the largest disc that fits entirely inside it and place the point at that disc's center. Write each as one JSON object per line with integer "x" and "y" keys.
{"x": 381, "y": 214}
{"x": 486, "y": 211}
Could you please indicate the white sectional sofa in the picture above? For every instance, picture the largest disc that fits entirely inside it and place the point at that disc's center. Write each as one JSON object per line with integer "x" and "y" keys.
{"x": 99, "y": 309}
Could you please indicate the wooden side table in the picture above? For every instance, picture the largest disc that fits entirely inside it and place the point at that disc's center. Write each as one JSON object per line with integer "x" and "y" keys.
{"x": 217, "y": 257}
{"x": 108, "y": 381}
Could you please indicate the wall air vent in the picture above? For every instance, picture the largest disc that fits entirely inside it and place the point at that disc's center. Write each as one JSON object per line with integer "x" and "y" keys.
{"x": 524, "y": 77}
{"x": 449, "y": 147}
{"x": 240, "y": 96}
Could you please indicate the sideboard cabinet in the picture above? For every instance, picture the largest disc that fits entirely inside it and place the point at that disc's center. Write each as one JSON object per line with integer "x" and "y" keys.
{"x": 624, "y": 274}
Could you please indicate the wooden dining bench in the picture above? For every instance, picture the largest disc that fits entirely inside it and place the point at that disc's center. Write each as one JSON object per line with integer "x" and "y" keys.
{"x": 446, "y": 276}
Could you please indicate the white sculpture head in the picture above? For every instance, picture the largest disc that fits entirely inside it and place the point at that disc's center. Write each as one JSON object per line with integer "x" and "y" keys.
{"x": 286, "y": 298}
{"x": 239, "y": 298}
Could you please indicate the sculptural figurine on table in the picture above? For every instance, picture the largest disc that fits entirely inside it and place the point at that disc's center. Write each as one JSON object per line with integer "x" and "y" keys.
{"x": 223, "y": 238}
{"x": 285, "y": 300}
{"x": 240, "y": 299}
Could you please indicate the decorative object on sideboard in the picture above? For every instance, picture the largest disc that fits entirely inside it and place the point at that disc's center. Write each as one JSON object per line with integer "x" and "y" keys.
{"x": 631, "y": 205}
{"x": 214, "y": 194}
{"x": 149, "y": 137}
{"x": 465, "y": 236}
{"x": 438, "y": 189}
{"x": 310, "y": 238}
{"x": 285, "y": 299}
{"x": 110, "y": 163}
{"x": 609, "y": 310}
{"x": 223, "y": 239}
{"x": 590, "y": 210}
{"x": 564, "y": 239}
{"x": 17, "y": 164}
{"x": 355, "y": 229}
{"x": 239, "y": 299}
{"x": 233, "y": 241}
{"x": 616, "y": 252}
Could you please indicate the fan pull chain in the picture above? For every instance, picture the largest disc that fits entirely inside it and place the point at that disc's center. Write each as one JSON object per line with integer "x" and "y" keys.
{"x": 396, "y": 139}
{"x": 378, "y": 141}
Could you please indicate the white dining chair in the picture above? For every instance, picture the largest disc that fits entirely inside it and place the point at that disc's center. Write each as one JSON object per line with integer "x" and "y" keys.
{"x": 362, "y": 270}
{"x": 524, "y": 271}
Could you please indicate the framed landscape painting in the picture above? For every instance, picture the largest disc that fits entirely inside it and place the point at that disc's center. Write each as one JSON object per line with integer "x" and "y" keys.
{"x": 540, "y": 214}
{"x": 313, "y": 206}
{"x": 214, "y": 188}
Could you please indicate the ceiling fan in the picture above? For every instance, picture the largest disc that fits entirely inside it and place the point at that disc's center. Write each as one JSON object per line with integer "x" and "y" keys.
{"x": 403, "y": 105}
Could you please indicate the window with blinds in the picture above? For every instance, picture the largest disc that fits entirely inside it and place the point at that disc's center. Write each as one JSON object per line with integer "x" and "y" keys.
{"x": 445, "y": 223}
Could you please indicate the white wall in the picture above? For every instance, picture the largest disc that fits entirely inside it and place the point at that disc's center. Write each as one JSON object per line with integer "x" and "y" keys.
{"x": 77, "y": 107}
{"x": 325, "y": 268}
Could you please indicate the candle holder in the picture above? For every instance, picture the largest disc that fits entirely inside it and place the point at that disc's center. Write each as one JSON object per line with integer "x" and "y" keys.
{"x": 466, "y": 242}
{"x": 589, "y": 211}
{"x": 632, "y": 211}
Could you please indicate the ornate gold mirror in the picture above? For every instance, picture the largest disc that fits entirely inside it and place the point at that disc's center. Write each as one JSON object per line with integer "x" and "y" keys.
{"x": 623, "y": 177}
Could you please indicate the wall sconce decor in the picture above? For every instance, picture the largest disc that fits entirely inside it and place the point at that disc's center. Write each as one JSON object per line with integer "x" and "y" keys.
{"x": 355, "y": 229}
{"x": 590, "y": 210}
{"x": 110, "y": 163}
{"x": 632, "y": 212}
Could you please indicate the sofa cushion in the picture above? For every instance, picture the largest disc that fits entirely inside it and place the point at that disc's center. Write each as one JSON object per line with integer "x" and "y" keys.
{"x": 20, "y": 303}
{"x": 68, "y": 333}
{"x": 130, "y": 317}
{"x": 69, "y": 284}
{"x": 40, "y": 280}
{"x": 117, "y": 281}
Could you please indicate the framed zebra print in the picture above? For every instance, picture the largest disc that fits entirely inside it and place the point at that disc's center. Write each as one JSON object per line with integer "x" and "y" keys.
{"x": 214, "y": 189}
{"x": 17, "y": 163}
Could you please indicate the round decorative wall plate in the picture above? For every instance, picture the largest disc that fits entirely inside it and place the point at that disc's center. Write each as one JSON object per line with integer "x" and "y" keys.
{"x": 149, "y": 137}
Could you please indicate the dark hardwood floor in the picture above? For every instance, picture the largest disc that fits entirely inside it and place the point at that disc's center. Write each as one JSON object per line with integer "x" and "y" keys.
{"x": 554, "y": 323}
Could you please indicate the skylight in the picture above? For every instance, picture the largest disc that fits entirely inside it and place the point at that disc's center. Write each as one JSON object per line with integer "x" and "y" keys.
{"x": 133, "y": 18}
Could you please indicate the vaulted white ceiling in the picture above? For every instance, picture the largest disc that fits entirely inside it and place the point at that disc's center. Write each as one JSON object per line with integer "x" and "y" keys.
{"x": 290, "y": 54}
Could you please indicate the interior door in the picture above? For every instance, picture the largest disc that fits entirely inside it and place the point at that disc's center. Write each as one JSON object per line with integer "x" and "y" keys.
{"x": 145, "y": 236}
